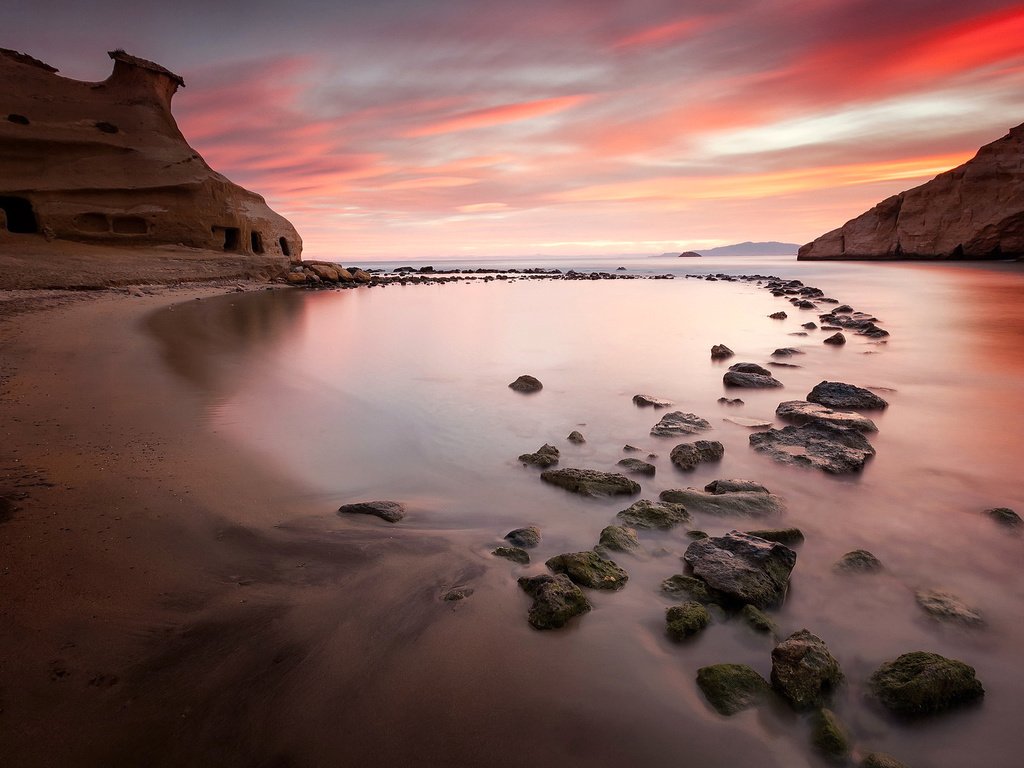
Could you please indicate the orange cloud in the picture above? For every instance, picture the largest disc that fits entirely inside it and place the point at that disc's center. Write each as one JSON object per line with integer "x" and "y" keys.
{"x": 491, "y": 116}
{"x": 660, "y": 34}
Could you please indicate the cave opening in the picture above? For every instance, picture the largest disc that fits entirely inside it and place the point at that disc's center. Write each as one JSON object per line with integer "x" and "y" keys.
{"x": 20, "y": 216}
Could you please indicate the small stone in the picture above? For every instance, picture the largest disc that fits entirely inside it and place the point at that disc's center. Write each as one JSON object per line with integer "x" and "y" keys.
{"x": 391, "y": 511}
{"x": 787, "y": 352}
{"x": 637, "y": 467}
{"x": 810, "y": 326}
{"x": 654, "y": 515}
{"x": 515, "y": 554}
{"x": 778, "y": 315}
{"x": 750, "y": 380}
{"x": 526, "y": 383}
{"x": 679, "y": 423}
{"x": 576, "y": 437}
{"x": 457, "y": 593}
{"x": 732, "y": 486}
{"x": 836, "y": 394}
{"x": 828, "y": 736}
{"x": 620, "y": 538}
{"x": 689, "y": 455}
{"x": 858, "y": 561}
{"x": 555, "y": 600}
{"x": 757, "y": 620}
{"x": 835, "y": 338}
{"x": 589, "y": 569}
{"x": 946, "y": 606}
{"x": 686, "y": 620}
{"x": 649, "y": 400}
{"x": 630, "y": 448}
{"x": 524, "y": 537}
{"x": 731, "y": 688}
{"x": 1004, "y": 516}
{"x": 721, "y": 352}
{"x": 731, "y": 401}
{"x": 750, "y": 368}
{"x": 590, "y": 482}
{"x": 921, "y": 682}
{"x": 545, "y": 456}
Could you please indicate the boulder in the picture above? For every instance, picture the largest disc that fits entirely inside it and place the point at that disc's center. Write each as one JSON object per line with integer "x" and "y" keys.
{"x": 576, "y": 437}
{"x": 689, "y": 588}
{"x": 921, "y": 682}
{"x": 515, "y": 554}
{"x": 858, "y": 561}
{"x": 589, "y": 569}
{"x": 836, "y": 394}
{"x": 836, "y": 338}
{"x": 946, "y": 606}
{"x": 685, "y": 620}
{"x": 732, "y": 486}
{"x": 1004, "y": 516}
{"x": 637, "y": 467}
{"x": 526, "y": 383}
{"x": 391, "y": 511}
{"x": 679, "y": 423}
{"x": 810, "y": 325}
{"x": 689, "y": 455}
{"x": 831, "y": 449}
{"x": 731, "y": 688}
{"x": 974, "y": 211}
{"x": 620, "y": 538}
{"x": 524, "y": 537}
{"x": 802, "y": 412}
{"x": 750, "y": 368}
{"x": 555, "y": 600}
{"x": 787, "y": 536}
{"x": 828, "y": 735}
{"x": 545, "y": 456}
{"x": 721, "y": 352}
{"x": 778, "y": 315}
{"x": 735, "y": 503}
{"x": 750, "y": 380}
{"x": 654, "y": 515}
{"x": 650, "y": 400}
{"x": 590, "y": 482}
{"x": 804, "y": 672}
{"x": 742, "y": 568}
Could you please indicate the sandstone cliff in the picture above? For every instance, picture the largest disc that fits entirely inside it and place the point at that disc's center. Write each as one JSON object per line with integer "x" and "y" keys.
{"x": 975, "y": 211}
{"x": 105, "y": 164}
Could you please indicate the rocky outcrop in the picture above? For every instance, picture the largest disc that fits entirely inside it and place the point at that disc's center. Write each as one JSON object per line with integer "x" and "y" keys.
{"x": 974, "y": 211}
{"x": 104, "y": 163}
{"x": 742, "y": 569}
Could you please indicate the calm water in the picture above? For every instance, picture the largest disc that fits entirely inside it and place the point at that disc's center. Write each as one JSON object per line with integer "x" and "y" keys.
{"x": 402, "y": 393}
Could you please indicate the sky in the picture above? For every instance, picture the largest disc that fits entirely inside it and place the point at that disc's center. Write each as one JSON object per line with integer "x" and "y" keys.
{"x": 400, "y": 129}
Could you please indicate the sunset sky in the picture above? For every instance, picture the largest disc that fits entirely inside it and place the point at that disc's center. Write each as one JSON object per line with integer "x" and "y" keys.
{"x": 416, "y": 128}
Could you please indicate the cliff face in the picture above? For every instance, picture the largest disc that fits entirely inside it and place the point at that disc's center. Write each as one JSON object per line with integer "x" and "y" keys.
{"x": 105, "y": 163}
{"x": 975, "y": 211}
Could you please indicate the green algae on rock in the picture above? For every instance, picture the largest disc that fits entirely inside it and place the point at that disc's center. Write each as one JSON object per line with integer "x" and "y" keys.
{"x": 804, "y": 672}
{"x": 515, "y": 554}
{"x": 731, "y": 688}
{"x": 828, "y": 735}
{"x": 589, "y": 569}
{"x": 686, "y": 620}
{"x": 921, "y": 682}
{"x": 654, "y": 514}
{"x": 555, "y": 600}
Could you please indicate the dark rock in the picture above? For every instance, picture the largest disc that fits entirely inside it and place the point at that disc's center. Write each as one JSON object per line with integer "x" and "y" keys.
{"x": 921, "y": 682}
{"x": 731, "y": 688}
{"x": 787, "y": 536}
{"x": 653, "y": 514}
{"x": 858, "y": 561}
{"x": 743, "y": 568}
{"x": 750, "y": 368}
{"x": 526, "y": 383}
{"x": 750, "y": 380}
{"x": 805, "y": 304}
{"x": 802, "y": 412}
{"x": 685, "y": 620}
{"x": 828, "y": 736}
{"x": 689, "y": 455}
{"x": 515, "y": 554}
{"x": 736, "y": 503}
{"x": 835, "y": 394}
{"x": 721, "y": 352}
{"x": 835, "y": 338}
{"x": 637, "y": 467}
{"x": 619, "y": 538}
{"x": 524, "y": 537}
{"x": 811, "y": 325}
{"x": 697, "y": 534}
{"x": 679, "y": 423}
{"x": 392, "y": 511}
{"x": 757, "y": 620}
{"x": 880, "y": 760}
{"x": 688, "y": 587}
{"x": 946, "y": 606}
{"x": 590, "y": 482}
{"x": 546, "y": 456}
{"x": 787, "y": 352}
{"x": 630, "y": 448}
{"x": 732, "y": 486}
{"x": 555, "y": 600}
{"x": 830, "y": 449}
{"x": 1004, "y": 516}
{"x": 778, "y": 315}
{"x": 457, "y": 593}
{"x": 576, "y": 437}
{"x": 649, "y": 400}
{"x": 804, "y": 671}
{"x": 589, "y": 569}
{"x": 730, "y": 401}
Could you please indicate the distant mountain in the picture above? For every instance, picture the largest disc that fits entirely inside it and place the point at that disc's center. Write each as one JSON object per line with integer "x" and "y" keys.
{"x": 754, "y": 249}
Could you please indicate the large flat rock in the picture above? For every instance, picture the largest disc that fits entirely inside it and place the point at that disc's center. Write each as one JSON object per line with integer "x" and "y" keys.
{"x": 743, "y": 568}
{"x": 821, "y": 446}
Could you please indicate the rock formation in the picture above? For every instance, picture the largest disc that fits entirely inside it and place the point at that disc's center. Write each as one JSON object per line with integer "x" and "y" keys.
{"x": 974, "y": 211}
{"x": 104, "y": 163}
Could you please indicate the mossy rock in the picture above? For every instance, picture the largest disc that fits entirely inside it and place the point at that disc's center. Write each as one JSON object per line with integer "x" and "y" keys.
{"x": 524, "y": 537}
{"x": 688, "y": 587}
{"x": 921, "y": 682}
{"x": 828, "y": 736}
{"x": 731, "y": 688}
{"x": 546, "y": 456}
{"x": 555, "y": 600}
{"x": 880, "y": 760}
{"x": 619, "y": 538}
{"x": 686, "y": 620}
{"x": 858, "y": 561}
{"x": 515, "y": 554}
{"x": 590, "y": 482}
{"x": 804, "y": 671}
{"x": 589, "y": 569}
{"x": 659, "y": 515}
{"x": 758, "y": 620}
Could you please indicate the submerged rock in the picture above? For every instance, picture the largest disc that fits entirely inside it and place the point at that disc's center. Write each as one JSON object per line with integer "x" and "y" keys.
{"x": 391, "y": 511}
{"x": 787, "y": 351}
{"x": 589, "y": 569}
{"x": 828, "y": 736}
{"x": 946, "y": 606}
{"x": 735, "y": 503}
{"x": 721, "y": 352}
{"x": 750, "y": 368}
{"x": 524, "y": 537}
{"x": 620, "y": 538}
{"x": 649, "y": 400}
{"x": 821, "y": 446}
{"x": 590, "y": 482}
{"x": 637, "y": 467}
{"x": 836, "y": 338}
{"x": 804, "y": 671}
{"x": 555, "y": 600}
{"x": 757, "y": 620}
{"x": 685, "y": 620}
{"x": 742, "y": 568}
{"x": 679, "y": 423}
{"x": 858, "y": 561}
{"x": 881, "y": 760}
{"x": 731, "y": 688}
{"x": 546, "y": 456}
{"x": 515, "y": 554}
{"x": 457, "y": 593}
{"x": 654, "y": 515}
{"x": 1004, "y": 516}
{"x": 836, "y": 394}
{"x": 732, "y": 485}
{"x": 785, "y": 536}
{"x": 526, "y": 383}
{"x": 921, "y": 682}
{"x": 778, "y": 315}
{"x": 750, "y": 380}
{"x": 732, "y": 401}
{"x": 689, "y": 455}
{"x": 802, "y": 412}
{"x": 688, "y": 587}
{"x": 576, "y": 437}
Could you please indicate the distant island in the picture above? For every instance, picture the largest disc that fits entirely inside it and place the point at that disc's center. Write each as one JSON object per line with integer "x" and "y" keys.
{"x": 748, "y": 248}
